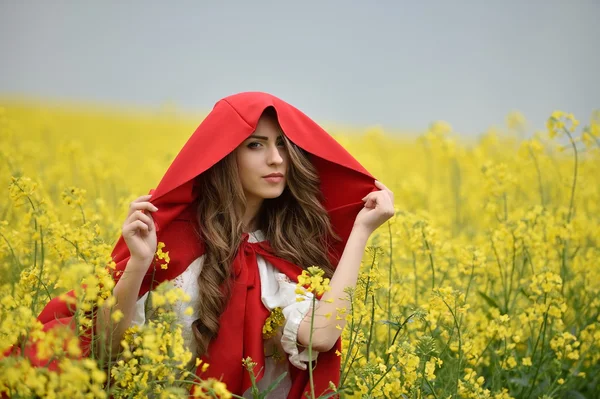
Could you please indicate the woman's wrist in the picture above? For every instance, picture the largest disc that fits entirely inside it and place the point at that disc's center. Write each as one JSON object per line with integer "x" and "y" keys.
{"x": 361, "y": 231}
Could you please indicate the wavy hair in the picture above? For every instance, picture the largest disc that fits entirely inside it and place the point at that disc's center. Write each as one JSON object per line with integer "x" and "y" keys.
{"x": 296, "y": 216}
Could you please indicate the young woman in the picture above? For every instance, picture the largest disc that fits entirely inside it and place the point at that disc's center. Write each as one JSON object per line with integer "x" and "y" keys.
{"x": 258, "y": 193}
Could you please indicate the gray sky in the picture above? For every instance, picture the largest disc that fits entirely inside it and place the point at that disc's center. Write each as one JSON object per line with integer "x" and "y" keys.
{"x": 401, "y": 64}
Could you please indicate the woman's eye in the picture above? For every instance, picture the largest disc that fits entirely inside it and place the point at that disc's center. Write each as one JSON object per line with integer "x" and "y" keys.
{"x": 252, "y": 145}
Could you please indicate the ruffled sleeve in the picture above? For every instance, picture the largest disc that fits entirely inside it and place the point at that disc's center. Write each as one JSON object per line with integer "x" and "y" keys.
{"x": 188, "y": 282}
{"x": 139, "y": 314}
{"x": 278, "y": 291}
{"x": 294, "y": 314}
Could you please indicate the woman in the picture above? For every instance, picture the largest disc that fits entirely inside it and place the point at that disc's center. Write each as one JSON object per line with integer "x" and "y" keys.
{"x": 258, "y": 193}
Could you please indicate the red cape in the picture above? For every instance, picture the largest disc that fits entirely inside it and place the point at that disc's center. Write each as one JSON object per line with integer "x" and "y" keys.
{"x": 344, "y": 182}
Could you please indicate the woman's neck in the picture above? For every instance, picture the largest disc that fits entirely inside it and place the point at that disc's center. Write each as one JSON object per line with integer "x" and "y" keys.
{"x": 250, "y": 219}
{"x": 250, "y": 229}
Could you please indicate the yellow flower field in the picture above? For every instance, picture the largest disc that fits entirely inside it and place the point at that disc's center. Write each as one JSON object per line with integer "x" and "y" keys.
{"x": 486, "y": 283}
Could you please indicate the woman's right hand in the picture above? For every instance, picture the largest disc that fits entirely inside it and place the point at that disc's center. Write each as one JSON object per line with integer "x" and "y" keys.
{"x": 139, "y": 232}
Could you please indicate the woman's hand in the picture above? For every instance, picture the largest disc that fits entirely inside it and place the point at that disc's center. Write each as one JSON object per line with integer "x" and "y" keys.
{"x": 378, "y": 207}
{"x": 139, "y": 232}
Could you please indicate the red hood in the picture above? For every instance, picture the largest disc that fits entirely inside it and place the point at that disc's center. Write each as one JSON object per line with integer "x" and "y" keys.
{"x": 344, "y": 182}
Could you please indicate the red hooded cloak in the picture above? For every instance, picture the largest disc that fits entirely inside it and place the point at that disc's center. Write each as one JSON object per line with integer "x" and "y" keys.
{"x": 344, "y": 182}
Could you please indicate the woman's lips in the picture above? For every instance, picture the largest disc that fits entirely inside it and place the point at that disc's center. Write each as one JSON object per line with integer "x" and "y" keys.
{"x": 273, "y": 179}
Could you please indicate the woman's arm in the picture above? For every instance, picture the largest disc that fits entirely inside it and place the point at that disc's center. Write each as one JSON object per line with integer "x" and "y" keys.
{"x": 378, "y": 207}
{"x": 346, "y": 274}
{"x": 140, "y": 237}
{"x": 125, "y": 292}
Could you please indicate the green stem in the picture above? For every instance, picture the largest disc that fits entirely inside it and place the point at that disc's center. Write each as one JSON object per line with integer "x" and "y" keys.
{"x": 414, "y": 258}
{"x": 576, "y": 159}
{"x": 512, "y": 271}
{"x": 200, "y": 385}
{"x": 82, "y": 214}
{"x": 368, "y": 285}
{"x": 571, "y": 208}
{"x": 458, "y": 368}
{"x": 539, "y": 363}
{"x": 374, "y": 385}
{"x": 12, "y": 252}
{"x": 539, "y": 176}
{"x": 456, "y": 182}
{"x": 310, "y": 338}
{"x": 387, "y": 358}
{"x": 486, "y": 348}
{"x": 389, "y": 298}
{"x": 352, "y": 341}
{"x": 432, "y": 390}
{"x": 502, "y": 278}
{"x": 505, "y": 200}
{"x": 39, "y": 280}
{"x": 430, "y": 260}
{"x": 470, "y": 277}
{"x": 372, "y": 324}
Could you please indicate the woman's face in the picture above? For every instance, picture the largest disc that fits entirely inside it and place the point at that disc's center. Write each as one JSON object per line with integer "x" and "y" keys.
{"x": 262, "y": 154}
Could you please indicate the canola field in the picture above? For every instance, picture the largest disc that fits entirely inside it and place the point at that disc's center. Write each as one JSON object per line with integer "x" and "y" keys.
{"x": 485, "y": 284}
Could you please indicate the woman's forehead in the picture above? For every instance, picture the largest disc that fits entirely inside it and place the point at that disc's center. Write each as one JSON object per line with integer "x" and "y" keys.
{"x": 268, "y": 124}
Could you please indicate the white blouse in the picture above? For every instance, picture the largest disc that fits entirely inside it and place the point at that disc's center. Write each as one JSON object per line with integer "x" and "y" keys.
{"x": 277, "y": 290}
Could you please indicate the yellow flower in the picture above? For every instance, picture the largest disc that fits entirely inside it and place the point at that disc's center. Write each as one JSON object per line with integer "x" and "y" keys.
{"x": 493, "y": 214}
{"x": 116, "y": 316}
{"x": 273, "y": 322}
{"x": 313, "y": 281}
{"x": 162, "y": 255}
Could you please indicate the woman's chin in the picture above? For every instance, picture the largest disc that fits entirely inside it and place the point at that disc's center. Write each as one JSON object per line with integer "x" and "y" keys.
{"x": 274, "y": 195}
{"x": 270, "y": 194}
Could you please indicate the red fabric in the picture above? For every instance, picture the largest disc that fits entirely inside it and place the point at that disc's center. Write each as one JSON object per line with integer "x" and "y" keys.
{"x": 344, "y": 182}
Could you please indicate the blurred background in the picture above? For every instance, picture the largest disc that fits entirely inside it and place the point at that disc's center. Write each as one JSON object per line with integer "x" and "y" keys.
{"x": 396, "y": 64}
{"x": 478, "y": 115}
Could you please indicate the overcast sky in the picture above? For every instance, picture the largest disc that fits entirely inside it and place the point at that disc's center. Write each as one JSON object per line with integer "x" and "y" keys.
{"x": 401, "y": 64}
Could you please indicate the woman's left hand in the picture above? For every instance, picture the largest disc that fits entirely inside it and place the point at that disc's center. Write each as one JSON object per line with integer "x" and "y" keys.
{"x": 378, "y": 207}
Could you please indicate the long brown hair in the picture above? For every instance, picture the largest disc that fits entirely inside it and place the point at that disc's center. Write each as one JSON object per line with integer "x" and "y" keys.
{"x": 296, "y": 216}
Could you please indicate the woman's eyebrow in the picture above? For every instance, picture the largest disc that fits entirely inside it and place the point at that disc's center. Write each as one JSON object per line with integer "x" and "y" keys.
{"x": 254, "y": 136}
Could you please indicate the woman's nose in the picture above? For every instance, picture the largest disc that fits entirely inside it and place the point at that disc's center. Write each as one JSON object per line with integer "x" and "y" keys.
{"x": 274, "y": 156}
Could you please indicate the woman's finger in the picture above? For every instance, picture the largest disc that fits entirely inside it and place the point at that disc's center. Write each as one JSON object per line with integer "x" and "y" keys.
{"x": 130, "y": 229}
{"x": 384, "y": 201}
{"x": 370, "y": 203}
{"x": 384, "y": 187}
{"x": 142, "y": 198}
{"x": 374, "y": 199}
{"x": 137, "y": 206}
{"x": 381, "y": 185}
{"x": 139, "y": 215}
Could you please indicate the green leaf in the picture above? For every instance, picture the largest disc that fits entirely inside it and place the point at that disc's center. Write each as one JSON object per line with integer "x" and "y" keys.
{"x": 489, "y": 300}
{"x": 274, "y": 384}
{"x": 523, "y": 381}
{"x": 329, "y": 395}
{"x": 570, "y": 394}
{"x": 391, "y": 323}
